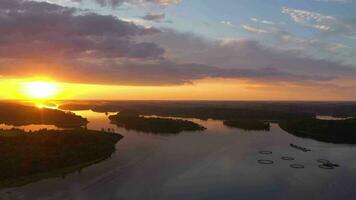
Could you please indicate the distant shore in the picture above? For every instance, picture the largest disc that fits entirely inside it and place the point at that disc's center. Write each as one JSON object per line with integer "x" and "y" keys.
{"x": 333, "y": 131}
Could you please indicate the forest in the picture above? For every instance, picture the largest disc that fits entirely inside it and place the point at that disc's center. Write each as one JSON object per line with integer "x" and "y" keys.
{"x": 334, "y": 131}
{"x": 31, "y": 156}
{"x": 158, "y": 125}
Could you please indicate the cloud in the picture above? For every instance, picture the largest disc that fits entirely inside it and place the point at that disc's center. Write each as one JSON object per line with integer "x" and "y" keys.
{"x": 32, "y": 29}
{"x": 244, "y": 54}
{"x": 326, "y": 24}
{"x": 253, "y": 29}
{"x": 154, "y": 17}
{"x": 310, "y": 19}
{"x": 330, "y": 50}
{"x": 190, "y": 58}
{"x": 227, "y": 23}
{"x": 166, "y": 2}
{"x": 316, "y": 47}
{"x": 76, "y": 46}
{"x": 262, "y": 21}
{"x": 160, "y": 72}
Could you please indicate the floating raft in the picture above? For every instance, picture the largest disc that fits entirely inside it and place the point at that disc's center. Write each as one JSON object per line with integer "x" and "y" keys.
{"x": 300, "y": 148}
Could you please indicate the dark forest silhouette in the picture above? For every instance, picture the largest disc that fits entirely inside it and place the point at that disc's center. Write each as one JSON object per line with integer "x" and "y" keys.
{"x": 132, "y": 120}
{"x": 30, "y": 156}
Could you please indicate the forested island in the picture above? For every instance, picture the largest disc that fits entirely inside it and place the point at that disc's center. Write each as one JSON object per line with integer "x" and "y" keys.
{"x": 30, "y": 156}
{"x": 334, "y": 131}
{"x": 18, "y": 115}
{"x": 248, "y": 124}
{"x": 157, "y": 125}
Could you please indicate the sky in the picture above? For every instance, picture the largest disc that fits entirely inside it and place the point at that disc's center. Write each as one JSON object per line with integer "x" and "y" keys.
{"x": 180, "y": 49}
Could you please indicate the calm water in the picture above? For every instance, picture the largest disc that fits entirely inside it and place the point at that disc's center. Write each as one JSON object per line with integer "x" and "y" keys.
{"x": 219, "y": 163}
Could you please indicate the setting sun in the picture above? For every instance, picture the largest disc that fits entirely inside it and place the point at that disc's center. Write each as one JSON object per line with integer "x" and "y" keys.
{"x": 40, "y": 89}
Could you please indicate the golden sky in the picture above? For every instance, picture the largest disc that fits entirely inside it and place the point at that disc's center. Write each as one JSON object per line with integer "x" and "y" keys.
{"x": 207, "y": 89}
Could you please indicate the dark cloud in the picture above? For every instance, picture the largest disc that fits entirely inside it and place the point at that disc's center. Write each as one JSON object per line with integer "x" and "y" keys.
{"x": 154, "y": 17}
{"x": 31, "y": 29}
{"x": 171, "y": 73}
{"x": 160, "y": 72}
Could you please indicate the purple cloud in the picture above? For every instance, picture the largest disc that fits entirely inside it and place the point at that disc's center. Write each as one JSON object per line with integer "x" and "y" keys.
{"x": 30, "y": 29}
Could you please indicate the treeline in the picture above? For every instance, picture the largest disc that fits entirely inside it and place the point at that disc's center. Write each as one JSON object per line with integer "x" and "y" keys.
{"x": 206, "y": 113}
{"x": 334, "y": 131}
{"x": 17, "y": 114}
{"x": 132, "y": 120}
{"x": 25, "y": 154}
{"x": 248, "y": 125}
{"x": 336, "y": 109}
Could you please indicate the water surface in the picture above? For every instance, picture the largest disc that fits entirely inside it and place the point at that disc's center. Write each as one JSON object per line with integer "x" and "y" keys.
{"x": 219, "y": 163}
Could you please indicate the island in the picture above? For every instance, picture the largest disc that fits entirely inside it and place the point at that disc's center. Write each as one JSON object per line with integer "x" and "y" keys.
{"x": 133, "y": 120}
{"x": 333, "y": 131}
{"x": 248, "y": 124}
{"x": 19, "y": 115}
{"x": 30, "y": 156}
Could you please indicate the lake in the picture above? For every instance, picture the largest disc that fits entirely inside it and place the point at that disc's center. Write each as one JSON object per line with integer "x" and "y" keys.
{"x": 218, "y": 163}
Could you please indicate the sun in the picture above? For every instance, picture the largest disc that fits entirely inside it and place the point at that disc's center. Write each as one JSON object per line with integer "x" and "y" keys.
{"x": 40, "y": 89}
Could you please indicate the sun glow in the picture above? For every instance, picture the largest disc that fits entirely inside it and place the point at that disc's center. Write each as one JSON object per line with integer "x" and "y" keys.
{"x": 40, "y": 89}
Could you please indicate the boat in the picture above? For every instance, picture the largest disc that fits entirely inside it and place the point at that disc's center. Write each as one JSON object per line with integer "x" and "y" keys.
{"x": 300, "y": 148}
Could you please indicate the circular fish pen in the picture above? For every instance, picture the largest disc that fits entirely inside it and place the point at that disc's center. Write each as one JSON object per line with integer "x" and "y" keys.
{"x": 265, "y": 152}
{"x": 323, "y": 161}
{"x": 265, "y": 162}
{"x": 287, "y": 158}
{"x": 297, "y": 166}
{"x": 325, "y": 167}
